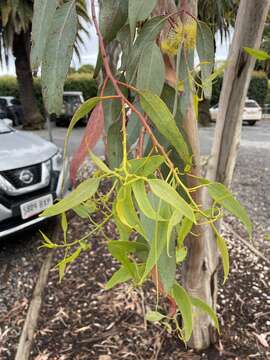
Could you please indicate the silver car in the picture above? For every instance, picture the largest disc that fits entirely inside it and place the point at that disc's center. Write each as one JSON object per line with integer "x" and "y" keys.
{"x": 31, "y": 176}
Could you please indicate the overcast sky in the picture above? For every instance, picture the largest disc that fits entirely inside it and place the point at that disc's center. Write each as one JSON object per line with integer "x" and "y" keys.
{"x": 89, "y": 53}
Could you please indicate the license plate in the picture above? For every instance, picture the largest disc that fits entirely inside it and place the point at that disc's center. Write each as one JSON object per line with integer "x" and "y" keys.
{"x": 36, "y": 206}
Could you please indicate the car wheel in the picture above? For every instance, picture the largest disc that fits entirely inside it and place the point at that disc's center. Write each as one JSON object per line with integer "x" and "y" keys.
{"x": 252, "y": 122}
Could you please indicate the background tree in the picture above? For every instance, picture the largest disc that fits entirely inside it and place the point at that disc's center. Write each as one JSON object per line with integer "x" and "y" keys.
{"x": 16, "y": 25}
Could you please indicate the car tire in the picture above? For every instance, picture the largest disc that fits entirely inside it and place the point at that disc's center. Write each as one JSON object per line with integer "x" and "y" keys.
{"x": 252, "y": 122}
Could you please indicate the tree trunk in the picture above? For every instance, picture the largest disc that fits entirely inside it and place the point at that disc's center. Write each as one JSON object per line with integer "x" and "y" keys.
{"x": 21, "y": 48}
{"x": 249, "y": 27}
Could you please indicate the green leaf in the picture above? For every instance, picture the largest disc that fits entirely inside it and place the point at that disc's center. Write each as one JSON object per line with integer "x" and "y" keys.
{"x": 184, "y": 230}
{"x": 225, "y": 198}
{"x": 124, "y": 38}
{"x": 113, "y": 15}
{"x": 58, "y": 55}
{"x": 174, "y": 220}
{"x": 167, "y": 266}
{"x": 184, "y": 305}
{"x": 120, "y": 251}
{"x": 156, "y": 235}
{"x": 223, "y": 249}
{"x": 100, "y": 163}
{"x": 47, "y": 242}
{"x": 207, "y": 309}
{"x": 163, "y": 119}
{"x": 181, "y": 254}
{"x": 144, "y": 204}
{"x": 139, "y": 10}
{"x": 151, "y": 70}
{"x": 154, "y": 316}
{"x": 146, "y": 36}
{"x": 206, "y": 53}
{"x": 111, "y": 108}
{"x": 257, "y": 54}
{"x": 115, "y": 147}
{"x": 64, "y": 225}
{"x": 82, "y": 193}
{"x": 126, "y": 211}
{"x": 84, "y": 210}
{"x": 44, "y": 11}
{"x": 120, "y": 276}
{"x": 168, "y": 194}
{"x": 82, "y": 111}
{"x": 145, "y": 166}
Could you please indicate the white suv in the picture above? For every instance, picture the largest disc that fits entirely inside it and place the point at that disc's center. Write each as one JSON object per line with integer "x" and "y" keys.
{"x": 251, "y": 114}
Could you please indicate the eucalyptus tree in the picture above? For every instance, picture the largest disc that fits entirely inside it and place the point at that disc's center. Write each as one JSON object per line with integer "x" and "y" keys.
{"x": 147, "y": 108}
{"x": 16, "y": 26}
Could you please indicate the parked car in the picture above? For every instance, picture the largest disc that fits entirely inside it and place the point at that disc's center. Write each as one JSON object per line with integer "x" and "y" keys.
{"x": 31, "y": 175}
{"x": 251, "y": 114}
{"x": 71, "y": 101}
{"x": 13, "y": 109}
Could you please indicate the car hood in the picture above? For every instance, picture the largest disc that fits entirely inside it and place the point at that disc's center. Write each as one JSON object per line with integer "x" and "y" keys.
{"x": 19, "y": 149}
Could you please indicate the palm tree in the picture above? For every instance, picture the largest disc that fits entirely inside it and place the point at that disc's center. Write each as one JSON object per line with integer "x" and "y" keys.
{"x": 15, "y": 35}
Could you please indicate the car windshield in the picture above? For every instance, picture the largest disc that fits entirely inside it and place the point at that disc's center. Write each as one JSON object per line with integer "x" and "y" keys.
{"x": 72, "y": 98}
{"x": 4, "y": 128}
{"x": 250, "y": 104}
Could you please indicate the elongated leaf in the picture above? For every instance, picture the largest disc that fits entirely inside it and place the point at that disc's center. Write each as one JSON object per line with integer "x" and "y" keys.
{"x": 151, "y": 70}
{"x": 139, "y": 10}
{"x": 124, "y": 38}
{"x": 141, "y": 197}
{"x": 145, "y": 166}
{"x": 206, "y": 52}
{"x": 184, "y": 305}
{"x": 44, "y": 11}
{"x": 207, "y": 309}
{"x": 154, "y": 316}
{"x": 100, "y": 164}
{"x": 165, "y": 192}
{"x": 113, "y": 15}
{"x": 223, "y": 249}
{"x": 167, "y": 266}
{"x": 184, "y": 230}
{"x": 115, "y": 147}
{"x": 226, "y": 199}
{"x": 174, "y": 220}
{"x": 82, "y": 111}
{"x": 82, "y": 193}
{"x": 257, "y": 54}
{"x": 58, "y": 55}
{"x": 163, "y": 119}
{"x": 121, "y": 252}
{"x": 120, "y": 276}
{"x": 126, "y": 211}
{"x": 92, "y": 134}
{"x": 156, "y": 233}
{"x": 147, "y": 35}
{"x": 112, "y": 108}
{"x": 128, "y": 246}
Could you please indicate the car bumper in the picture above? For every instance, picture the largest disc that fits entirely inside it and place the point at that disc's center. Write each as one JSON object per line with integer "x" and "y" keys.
{"x": 10, "y": 217}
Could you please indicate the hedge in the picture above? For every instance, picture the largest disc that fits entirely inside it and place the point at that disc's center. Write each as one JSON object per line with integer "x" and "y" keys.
{"x": 258, "y": 88}
{"x": 75, "y": 82}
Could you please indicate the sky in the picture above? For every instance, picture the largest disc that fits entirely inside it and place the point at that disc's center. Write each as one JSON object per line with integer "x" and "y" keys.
{"x": 89, "y": 52}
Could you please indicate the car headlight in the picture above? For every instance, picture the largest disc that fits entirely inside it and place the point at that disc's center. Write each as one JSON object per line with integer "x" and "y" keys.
{"x": 5, "y": 185}
{"x": 57, "y": 161}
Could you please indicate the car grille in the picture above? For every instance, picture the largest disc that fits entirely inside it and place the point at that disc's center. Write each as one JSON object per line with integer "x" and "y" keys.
{"x": 23, "y": 177}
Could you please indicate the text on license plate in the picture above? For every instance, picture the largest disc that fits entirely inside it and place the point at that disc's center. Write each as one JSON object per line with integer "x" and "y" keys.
{"x": 34, "y": 207}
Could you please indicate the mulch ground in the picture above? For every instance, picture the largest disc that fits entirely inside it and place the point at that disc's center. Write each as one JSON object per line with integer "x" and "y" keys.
{"x": 80, "y": 320}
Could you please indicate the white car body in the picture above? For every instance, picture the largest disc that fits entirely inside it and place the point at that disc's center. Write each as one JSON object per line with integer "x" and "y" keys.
{"x": 32, "y": 175}
{"x": 251, "y": 114}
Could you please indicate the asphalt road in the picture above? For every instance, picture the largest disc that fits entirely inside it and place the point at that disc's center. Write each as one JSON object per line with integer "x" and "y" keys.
{"x": 257, "y": 136}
